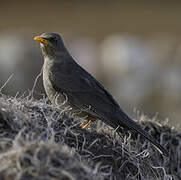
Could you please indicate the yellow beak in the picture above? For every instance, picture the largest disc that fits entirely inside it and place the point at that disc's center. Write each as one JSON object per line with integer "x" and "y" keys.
{"x": 41, "y": 40}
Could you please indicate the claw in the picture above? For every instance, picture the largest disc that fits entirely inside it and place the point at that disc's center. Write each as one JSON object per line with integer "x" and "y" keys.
{"x": 85, "y": 125}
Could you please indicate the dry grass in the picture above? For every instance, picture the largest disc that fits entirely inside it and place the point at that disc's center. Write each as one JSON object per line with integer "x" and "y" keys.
{"x": 38, "y": 141}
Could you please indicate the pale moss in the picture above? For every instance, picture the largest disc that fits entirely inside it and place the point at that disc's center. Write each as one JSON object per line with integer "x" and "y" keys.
{"x": 38, "y": 141}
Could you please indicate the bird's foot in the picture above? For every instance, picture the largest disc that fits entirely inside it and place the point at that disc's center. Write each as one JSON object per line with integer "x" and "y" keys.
{"x": 85, "y": 125}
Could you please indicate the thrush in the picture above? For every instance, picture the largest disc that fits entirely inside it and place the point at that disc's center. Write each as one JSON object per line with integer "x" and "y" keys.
{"x": 67, "y": 84}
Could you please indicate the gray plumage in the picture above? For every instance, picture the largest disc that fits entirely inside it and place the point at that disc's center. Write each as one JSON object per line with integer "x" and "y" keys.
{"x": 64, "y": 78}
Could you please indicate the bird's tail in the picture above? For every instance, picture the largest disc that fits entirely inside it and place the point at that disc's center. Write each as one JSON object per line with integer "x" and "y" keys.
{"x": 128, "y": 122}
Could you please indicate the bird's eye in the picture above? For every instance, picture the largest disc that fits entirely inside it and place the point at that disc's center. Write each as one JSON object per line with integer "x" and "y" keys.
{"x": 53, "y": 39}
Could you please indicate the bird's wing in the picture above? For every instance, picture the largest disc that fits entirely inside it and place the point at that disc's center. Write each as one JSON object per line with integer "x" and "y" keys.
{"x": 83, "y": 90}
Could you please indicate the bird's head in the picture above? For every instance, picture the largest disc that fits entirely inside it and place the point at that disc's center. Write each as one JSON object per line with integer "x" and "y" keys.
{"x": 51, "y": 44}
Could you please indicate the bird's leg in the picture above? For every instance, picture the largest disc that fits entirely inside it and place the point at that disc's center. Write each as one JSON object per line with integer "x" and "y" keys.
{"x": 85, "y": 125}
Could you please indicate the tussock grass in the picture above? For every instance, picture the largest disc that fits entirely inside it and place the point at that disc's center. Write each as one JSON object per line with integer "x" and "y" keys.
{"x": 39, "y": 141}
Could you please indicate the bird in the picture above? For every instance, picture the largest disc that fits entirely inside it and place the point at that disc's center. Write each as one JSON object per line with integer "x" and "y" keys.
{"x": 68, "y": 84}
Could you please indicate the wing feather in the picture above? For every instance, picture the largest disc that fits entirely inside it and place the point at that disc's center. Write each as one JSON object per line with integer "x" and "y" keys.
{"x": 83, "y": 90}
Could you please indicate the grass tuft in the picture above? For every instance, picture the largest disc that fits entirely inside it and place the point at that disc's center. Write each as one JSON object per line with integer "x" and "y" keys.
{"x": 39, "y": 141}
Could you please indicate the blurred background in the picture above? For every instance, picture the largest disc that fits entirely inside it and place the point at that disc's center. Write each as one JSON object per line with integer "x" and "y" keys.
{"x": 133, "y": 48}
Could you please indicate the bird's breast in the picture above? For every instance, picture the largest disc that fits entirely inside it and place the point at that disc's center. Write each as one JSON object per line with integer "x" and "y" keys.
{"x": 56, "y": 97}
{"x": 47, "y": 83}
